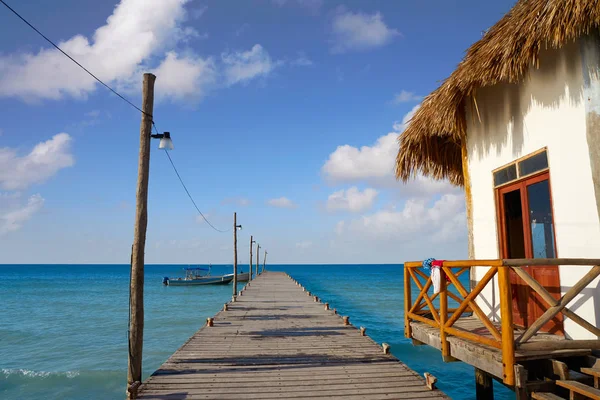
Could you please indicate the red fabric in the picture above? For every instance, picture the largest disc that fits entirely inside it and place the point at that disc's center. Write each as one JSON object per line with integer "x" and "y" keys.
{"x": 439, "y": 263}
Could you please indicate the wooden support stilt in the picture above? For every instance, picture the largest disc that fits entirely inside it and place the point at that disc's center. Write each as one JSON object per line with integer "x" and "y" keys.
{"x": 209, "y": 321}
{"x": 346, "y": 320}
{"x": 484, "y": 386}
{"x": 363, "y": 331}
{"x": 326, "y": 306}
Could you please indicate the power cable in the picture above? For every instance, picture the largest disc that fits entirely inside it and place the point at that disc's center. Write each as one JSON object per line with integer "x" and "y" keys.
{"x": 191, "y": 198}
{"x": 75, "y": 61}
{"x": 119, "y": 95}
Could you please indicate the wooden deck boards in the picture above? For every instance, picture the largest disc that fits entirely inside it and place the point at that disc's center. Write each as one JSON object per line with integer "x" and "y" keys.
{"x": 275, "y": 342}
{"x": 481, "y": 356}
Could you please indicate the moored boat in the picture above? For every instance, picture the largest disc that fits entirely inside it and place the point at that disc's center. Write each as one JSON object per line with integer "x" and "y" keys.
{"x": 241, "y": 276}
{"x": 196, "y": 277}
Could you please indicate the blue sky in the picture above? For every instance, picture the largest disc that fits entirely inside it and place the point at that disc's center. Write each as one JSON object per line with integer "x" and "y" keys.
{"x": 285, "y": 111}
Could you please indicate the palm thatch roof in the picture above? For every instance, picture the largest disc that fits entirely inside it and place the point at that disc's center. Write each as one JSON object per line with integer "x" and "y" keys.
{"x": 431, "y": 144}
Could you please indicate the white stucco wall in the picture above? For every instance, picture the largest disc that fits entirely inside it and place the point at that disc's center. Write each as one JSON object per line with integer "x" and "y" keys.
{"x": 547, "y": 110}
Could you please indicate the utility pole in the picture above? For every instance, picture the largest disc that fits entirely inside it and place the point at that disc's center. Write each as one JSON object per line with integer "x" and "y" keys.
{"x": 250, "y": 270}
{"x": 264, "y": 262}
{"x": 136, "y": 285}
{"x": 235, "y": 279}
{"x": 257, "y": 254}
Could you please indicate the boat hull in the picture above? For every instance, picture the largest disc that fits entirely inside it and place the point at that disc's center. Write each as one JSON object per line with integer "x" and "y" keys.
{"x": 241, "y": 277}
{"x": 210, "y": 280}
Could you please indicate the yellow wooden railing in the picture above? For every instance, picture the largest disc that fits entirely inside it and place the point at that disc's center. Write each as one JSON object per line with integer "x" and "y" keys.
{"x": 422, "y": 309}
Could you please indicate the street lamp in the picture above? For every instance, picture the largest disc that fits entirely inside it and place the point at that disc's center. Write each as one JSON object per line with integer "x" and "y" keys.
{"x": 165, "y": 140}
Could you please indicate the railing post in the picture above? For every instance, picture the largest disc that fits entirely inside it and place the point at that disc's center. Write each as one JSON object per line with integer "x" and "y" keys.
{"x": 444, "y": 316}
{"x": 508, "y": 337}
{"x": 407, "y": 303}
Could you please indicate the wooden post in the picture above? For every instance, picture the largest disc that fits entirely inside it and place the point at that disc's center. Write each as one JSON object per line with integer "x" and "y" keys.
{"x": 407, "y": 303}
{"x": 506, "y": 317}
{"x": 264, "y": 262}
{"x": 250, "y": 270}
{"x": 484, "y": 387}
{"x": 386, "y": 348}
{"x": 443, "y": 317}
{"x": 235, "y": 277}
{"x": 136, "y": 288}
{"x": 257, "y": 254}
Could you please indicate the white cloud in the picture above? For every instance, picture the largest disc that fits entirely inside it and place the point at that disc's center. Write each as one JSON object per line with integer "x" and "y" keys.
{"x": 13, "y": 216}
{"x": 242, "y": 66}
{"x": 445, "y": 220}
{"x": 406, "y": 97}
{"x": 302, "y": 60}
{"x": 311, "y": 5}
{"x": 401, "y": 126}
{"x": 375, "y": 165}
{"x": 184, "y": 77}
{"x": 137, "y": 30}
{"x": 45, "y": 160}
{"x": 281, "y": 202}
{"x": 352, "y": 200}
{"x": 198, "y": 12}
{"x": 359, "y": 31}
{"x": 304, "y": 244}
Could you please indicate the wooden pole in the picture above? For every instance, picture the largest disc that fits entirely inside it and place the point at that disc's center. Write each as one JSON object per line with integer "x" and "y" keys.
{"x": 264, "y": 261}
{"x": 235, "y": 277}
{"x": 257, "y": 254}
{"x": 407, "y": 303}
{"x": 136, "y": 288}
{"x": 506, "y": 322}
{"x": 250, "y": 270}
{"x": 484, "y": 387}
{"x": 444, "y": 317}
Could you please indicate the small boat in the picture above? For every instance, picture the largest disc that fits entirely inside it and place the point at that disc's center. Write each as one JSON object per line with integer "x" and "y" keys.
{"x": 198, "y": 276}
{"x": 241, "y": 276}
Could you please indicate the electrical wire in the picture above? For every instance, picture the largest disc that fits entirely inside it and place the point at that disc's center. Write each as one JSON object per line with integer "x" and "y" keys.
{"x": 120, "y": 96}
{"x": 191, "y": 198}
{"x": 75, "y": 61}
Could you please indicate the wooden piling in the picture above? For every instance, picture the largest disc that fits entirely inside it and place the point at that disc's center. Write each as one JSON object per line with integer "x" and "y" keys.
{"x": 484, "y": 388}
{"x": 363, "y": 331}
{"x": 209, "y": 321}
{"x": 346, "y": 320}
{"x": 386, "y": 348}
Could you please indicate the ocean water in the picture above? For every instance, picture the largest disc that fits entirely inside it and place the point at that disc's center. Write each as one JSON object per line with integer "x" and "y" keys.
{"x": 63, "y": 331}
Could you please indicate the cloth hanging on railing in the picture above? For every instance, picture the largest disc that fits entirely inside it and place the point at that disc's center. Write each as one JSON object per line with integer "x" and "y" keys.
{"x": 436, "y": 272}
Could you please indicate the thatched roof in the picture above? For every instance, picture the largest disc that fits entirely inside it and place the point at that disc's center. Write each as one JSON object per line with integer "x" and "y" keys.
{"x": 431, "y": 144}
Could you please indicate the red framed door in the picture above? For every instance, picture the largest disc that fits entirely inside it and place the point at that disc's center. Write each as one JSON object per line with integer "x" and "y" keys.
{"x": 526, "y": 230}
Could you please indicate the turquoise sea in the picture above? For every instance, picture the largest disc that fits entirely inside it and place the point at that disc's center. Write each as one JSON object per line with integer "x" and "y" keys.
{"x": 63, "y": 331}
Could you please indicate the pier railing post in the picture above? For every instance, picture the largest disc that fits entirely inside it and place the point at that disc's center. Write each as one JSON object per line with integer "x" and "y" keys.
{"x": 444, "y": 316}
{"x": 508, "y": 338}
{"x": 407, "y": 303}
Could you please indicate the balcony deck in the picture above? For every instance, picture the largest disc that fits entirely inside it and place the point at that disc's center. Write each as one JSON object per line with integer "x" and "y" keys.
{"x": 486, "y": 358}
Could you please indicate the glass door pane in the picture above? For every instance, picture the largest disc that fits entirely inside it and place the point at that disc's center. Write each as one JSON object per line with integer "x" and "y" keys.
{"x": 513, "y": 219}
{"x": 540, "y": 219}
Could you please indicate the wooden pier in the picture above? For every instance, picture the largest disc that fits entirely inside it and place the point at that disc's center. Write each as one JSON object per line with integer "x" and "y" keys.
{"x": 279, "y": 341}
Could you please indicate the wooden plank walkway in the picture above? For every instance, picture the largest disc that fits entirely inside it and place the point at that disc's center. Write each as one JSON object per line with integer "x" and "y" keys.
{"x": 276, "y": 342}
